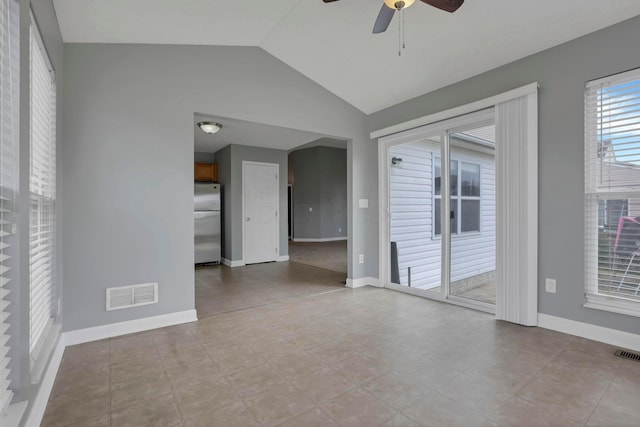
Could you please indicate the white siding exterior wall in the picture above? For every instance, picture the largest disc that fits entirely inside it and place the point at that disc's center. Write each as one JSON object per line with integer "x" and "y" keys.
{"x": 411, "y": 209}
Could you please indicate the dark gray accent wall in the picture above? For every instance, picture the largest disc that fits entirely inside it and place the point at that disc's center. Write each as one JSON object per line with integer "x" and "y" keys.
{"x": 204, "y": 157}
{"x": 320, "y": 184}
{"x": 128, "y": 198}
{"x": 562, "y": 73}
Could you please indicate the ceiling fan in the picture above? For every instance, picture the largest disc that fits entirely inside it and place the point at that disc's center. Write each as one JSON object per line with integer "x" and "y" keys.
{"x": 390, "y": 7}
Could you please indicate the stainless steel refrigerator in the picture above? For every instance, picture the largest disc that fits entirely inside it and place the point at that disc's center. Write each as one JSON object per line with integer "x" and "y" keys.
{"x": 207, "y": 223}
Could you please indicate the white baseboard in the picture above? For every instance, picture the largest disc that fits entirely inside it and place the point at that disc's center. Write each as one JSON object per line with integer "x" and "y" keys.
{"x": 282, "y": 258}
{"x": 230, "y": 263}
{"x": 323, "y": 239}
{"x": 363, "y": 281}
{"x": 36, "y": 412}
{"x": 80, "y": 336}
{"x": 593, "y": 332}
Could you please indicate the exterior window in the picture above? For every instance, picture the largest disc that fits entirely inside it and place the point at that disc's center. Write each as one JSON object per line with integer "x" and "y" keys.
{"x": 42, "y": 191}
{"x": 465, "y": 196}
{"x": 612, "y": 193}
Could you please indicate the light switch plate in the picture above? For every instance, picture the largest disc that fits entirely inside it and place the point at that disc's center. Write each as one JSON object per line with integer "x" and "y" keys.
{"x": 363, "y": 203}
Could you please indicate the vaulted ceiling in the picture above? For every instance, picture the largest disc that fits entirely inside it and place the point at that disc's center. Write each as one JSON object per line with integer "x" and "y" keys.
{"x": 332, "y": 43}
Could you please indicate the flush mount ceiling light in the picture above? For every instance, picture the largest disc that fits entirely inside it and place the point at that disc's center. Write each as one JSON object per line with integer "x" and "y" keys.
{"x": 209, "y": 127}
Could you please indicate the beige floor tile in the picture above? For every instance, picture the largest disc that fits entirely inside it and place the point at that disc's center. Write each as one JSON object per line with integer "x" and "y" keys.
{"x": 395, "y": 389}
{"x": 358, "y": 408}
{"x": 297, "y": 364}
{"x": 572, "y": 402}
{"x": 183, "y": 373}
{"x": 133, "y": 390}
{"x": 202, "y": 397}
{"x": 323, "y": 384}
{"x": 359, "y": 368}
{"x": 75, "y": 408}
{"x": 233, "y": 415}
{"x": 101, "y": 421}
{"x": 437, "y": 410}
{"x": 281, "y": 325}
{"x": 159, "y": 411}
{"x": 277, "y": 404}
{"x": 400, "y": 420}
{"x": 331, "y": 352}
{"x": 475, "y": 394}
{"x": 254, "y": 380}
{"x": 315, "y": 417}
{"x": 517, "y": 412}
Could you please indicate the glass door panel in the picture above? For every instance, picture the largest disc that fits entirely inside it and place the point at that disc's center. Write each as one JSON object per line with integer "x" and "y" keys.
{"x": 473, "y": 214}
{"x": 414, "y": 215}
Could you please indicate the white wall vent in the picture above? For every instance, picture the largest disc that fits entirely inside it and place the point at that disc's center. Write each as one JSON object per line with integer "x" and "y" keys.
{"x": 132, "y": 296}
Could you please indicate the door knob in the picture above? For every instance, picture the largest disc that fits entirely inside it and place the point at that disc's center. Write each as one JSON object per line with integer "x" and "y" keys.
{"x": 248, "y": 219}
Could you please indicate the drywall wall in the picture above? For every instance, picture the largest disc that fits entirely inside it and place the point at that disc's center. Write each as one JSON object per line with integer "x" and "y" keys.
{"x": 562, "y": 73}
{"x": 224, "y": 178}
{"x": 129, "y": 195}
{"x": 319, "y": 181}
{"x": 204, "y": 157}
{"x": 233, "y": 196}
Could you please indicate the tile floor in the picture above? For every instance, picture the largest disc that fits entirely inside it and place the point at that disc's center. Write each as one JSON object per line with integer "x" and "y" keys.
{"x": 361, "y": 357}
{"x": 327, "y": 255}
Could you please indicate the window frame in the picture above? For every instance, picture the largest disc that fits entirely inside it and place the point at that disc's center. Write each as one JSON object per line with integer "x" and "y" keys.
{"x": 459, "y": 198}
{"x": 594, "y": 194}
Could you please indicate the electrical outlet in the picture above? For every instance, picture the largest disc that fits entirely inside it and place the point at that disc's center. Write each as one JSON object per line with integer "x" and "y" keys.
{"x": 310, "y": 209}
{"x": 361, "y": 259}
{"x": 339, "y": 230}
{"x": 550, "y": 286}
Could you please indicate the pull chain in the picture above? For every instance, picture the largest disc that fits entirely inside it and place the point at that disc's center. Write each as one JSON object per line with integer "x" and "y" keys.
{"x": 401, "y": 32}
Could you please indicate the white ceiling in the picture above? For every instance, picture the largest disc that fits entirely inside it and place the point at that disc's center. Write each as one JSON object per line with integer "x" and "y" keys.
{"x": 247, "y": 133}
{"x": 332, "y": 43}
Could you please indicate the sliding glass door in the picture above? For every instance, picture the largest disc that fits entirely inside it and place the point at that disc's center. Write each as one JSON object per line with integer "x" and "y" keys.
{"x": 442, "y": 229}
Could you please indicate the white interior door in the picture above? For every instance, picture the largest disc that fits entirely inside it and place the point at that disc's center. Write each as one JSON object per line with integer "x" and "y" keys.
{"x": 260, "y": 208}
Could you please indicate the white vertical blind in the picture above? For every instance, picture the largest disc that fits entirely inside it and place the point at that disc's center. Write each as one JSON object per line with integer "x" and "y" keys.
{"x": 517, "y": 210}
{"x": 612, "y": 189}
{"x": 42, "y": 188}
{"x": 9, "y": 52}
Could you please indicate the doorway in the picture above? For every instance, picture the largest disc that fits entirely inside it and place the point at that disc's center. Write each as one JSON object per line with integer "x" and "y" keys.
{"x": 442, "y": 213}
{"x": 260, "y": 205}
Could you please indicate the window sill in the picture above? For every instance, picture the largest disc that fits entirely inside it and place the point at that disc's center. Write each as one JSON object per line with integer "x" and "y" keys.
{"x": 613, "y": 305}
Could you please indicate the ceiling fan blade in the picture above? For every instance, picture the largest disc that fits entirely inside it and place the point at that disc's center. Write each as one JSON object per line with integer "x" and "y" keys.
{"x": 383, "y": 20}
{"x": 446, "y": 5}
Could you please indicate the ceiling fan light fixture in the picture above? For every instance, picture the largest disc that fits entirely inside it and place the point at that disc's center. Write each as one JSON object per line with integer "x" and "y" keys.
{"x": 209, "y": 127}
{"x": 392, "y": 4}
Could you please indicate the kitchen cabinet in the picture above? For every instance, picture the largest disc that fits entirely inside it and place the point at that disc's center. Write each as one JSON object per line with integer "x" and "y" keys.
{"x": 205, "y": 172}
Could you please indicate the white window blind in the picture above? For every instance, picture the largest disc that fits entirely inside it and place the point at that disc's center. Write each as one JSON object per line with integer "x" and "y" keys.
{"x": 9, "y": 51}
{"x": 612, "y": 192}
{"x": 42, "y": 188}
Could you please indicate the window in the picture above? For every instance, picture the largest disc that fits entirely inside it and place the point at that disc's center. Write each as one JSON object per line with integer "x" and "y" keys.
{"x": 9, "y": 51}
{"x": 42, "y": 190}
{"x": 465, "y": 196}
{"x": 612, "y": 193}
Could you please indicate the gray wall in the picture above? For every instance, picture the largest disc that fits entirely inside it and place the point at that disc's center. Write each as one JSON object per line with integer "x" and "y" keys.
{"x": 129, "y": 188}
{"x": 204, "y": 157}
{"x": 224, "y": 177}
{"x": 232, "y": 166}
{"x": 320, "y": 183}
{"x": 562, "y": 72}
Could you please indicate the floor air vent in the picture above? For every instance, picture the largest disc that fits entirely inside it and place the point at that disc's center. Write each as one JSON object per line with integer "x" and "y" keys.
{"x": 628, "y": 355}
{"x": 132, "y": 296}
